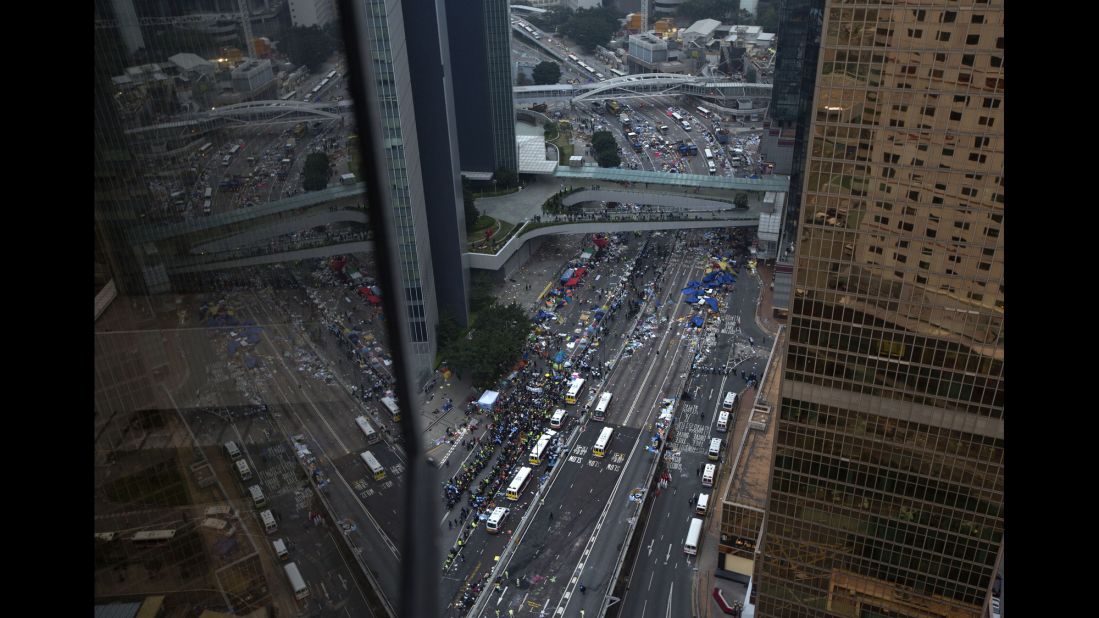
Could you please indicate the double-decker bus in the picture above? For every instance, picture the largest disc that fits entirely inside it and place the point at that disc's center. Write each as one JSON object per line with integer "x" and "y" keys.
{"x": 702, "y": 110}
{"x": 574, "y": 391}
{"x": 538, "y": 453}
{"x": 601, "y": 407}
{"x": 600, "y": 448}
{"x": 618, "y": 73}
{"x": 519, "y": 483}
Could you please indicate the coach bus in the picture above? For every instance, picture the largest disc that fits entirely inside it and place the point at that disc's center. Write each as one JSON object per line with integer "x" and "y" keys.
{"x": 537, "y": 454}
{"x": 368, "y": 430}
{"x": 519, "y": 483}
{"x": 693, "y": 535}
{"x": 600, "y": 448}
{"x": 375, "y": 467}
{"x": 601, "y": 407}
{"x": 574, "y": 391}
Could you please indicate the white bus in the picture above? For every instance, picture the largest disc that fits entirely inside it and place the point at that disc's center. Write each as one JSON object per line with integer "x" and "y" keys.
{"x": 601, "y": 407}
{"x": 574, "y": 390}
{"x": 723, "y": 420}
{"x": 391, "y": 405}
{"x": 330, "y": 75}
{"x": 497, "y": 519}
{"x": 205, "y": 148}
{"x": 600, "y": 448}
{"x": 243, "y": 470}
{"x": 296, "y": 582}
{"x": 539, "y": 450}
{"x": 709, "y": 155}
{"x": 677, "y": 117}
{"x": 618, "y": 73}
{"x": 702, "y": 110}
{"x": 708, "y": 475}
{"x": 715, "y": 449}
{"x": 693, "y": 535}
{"x": 258, "y": 499}
{"x": 702, "y": 503}
{"x": 519, "y": 483}
{"x": 288, "y": 95}
{"x": 368, "y": 430}
{"x": 730, "y": 401}
{"x": 269, "y": 523}
{"x": 207, "y": 207}
{"x": 573, "y": 58}
{"x": 153, "y": 537}
{"x": 371, "y": 462}
{"x": 558, "y": 420}
{"x": 209, "y": 193}
{"x": 234, "y": 150}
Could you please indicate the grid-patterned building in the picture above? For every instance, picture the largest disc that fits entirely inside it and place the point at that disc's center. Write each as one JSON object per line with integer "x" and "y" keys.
{"x": 887, "y": 491}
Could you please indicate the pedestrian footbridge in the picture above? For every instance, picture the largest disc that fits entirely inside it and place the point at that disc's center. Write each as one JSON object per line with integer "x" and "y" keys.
{"x": 725, "y": 93}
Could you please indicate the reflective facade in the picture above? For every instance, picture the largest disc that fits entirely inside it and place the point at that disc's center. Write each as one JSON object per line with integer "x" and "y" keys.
{"x": 887, "y": 489}
{"x": 480, "y": 52}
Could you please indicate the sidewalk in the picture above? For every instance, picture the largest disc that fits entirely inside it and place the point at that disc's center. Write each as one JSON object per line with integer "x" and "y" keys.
{"x": 765, "y": 309}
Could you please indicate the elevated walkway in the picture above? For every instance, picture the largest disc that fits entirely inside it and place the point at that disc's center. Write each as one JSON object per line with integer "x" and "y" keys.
{"x": 644, "y": 178}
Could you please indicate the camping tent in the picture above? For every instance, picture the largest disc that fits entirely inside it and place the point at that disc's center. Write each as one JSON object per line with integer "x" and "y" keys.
{"x": 488, "y": 400}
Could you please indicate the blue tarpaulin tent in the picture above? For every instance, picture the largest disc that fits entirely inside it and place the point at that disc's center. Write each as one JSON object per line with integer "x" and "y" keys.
{"x": 696, "y": 321}
{"x": 712, "y": 302}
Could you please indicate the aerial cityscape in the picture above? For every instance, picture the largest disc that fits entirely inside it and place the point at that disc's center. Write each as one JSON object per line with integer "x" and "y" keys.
{"x": 564, "y": 308}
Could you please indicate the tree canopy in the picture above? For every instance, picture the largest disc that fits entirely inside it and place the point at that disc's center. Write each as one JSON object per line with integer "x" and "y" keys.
{"x": 546, "y": 73}
{"x": 591, "y": 27}
{"x": 472, "y": 214}
{"x": 767, "y": 17}
{"x": 316, "y": 172}
{"x": 497, "y": 339}
{"x": 606, "y": 149}
{"x": 505, "y": 178}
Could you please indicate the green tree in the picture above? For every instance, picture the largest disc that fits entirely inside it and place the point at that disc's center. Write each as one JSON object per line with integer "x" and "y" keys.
{"x": 767, "y": 17}
{"x": 316, "y": 171}
{"x": 448, "y": 330}
{"x": 309, "y": 46}
{"x": 602, "y": 139}
{"x": 472, "y": 214}
{"x": 497, "y": 339}
{"x": 741, "y": 200}
{"x": 521, "y": 79}
{"x": 750, "y": 74}
{"x": 608, "y": 159}
{"x": 552, "y": 18}
{"x": 591, "y": 27}
{"x": 505, "y": 178}
{"x": 547, "y": 73}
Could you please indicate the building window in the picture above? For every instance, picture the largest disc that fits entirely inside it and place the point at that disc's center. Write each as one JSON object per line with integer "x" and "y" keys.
{"x": 955, "y": 115}
{"x": 977, "y": 19}
{"x": 905, "y": 226}
{"x": 926, "y": 251}
{"x": 915, "y": 33}
{"x": 963, "y": 225}
{"x": 920, "y": 279}
{"x": 925, "y": 265}
{"x": 991, "y": 103}
{"x": 900, "y": 257}
{"x": 967, "y": 59}
{"x": 914, "y": 195}
{"x": 940, "y": 57}
{"x": 997, "y": 217}
{"x": 933, "y": 218}
{"x": 975, "y": 296}
{"x": 942, "y": 36}
{"x": 949, "y": 152}
{"x": 992, "y": 232}
{"x": 961, "y": 98}
{"x": 931, "y": 233}
{"x": 980, "y": 158}
{"x": 1000, "y": 43}
{"x": 973, "y": 39}
{"x": 948, "y": 17}
{"x": 989, "y": 251}
{"x": 995, "y": 61}
{"x": 984, "y": 266}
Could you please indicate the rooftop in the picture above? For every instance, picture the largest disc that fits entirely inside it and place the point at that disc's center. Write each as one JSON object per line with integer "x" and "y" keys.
{"x": 703, "y": 27}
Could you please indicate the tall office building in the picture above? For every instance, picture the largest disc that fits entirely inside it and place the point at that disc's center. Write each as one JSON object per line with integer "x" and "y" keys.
{"x": 887, "y": 490}
{"x": 417, "y": 116}
{"x": 480, "y": 52}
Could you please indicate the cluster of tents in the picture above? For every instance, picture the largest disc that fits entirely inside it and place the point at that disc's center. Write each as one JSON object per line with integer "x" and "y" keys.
{"x": 696, "y": 291}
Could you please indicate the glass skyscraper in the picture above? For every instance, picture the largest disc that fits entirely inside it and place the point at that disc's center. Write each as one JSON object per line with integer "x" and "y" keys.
{"x": 480, "y": 51}
{"x": 887, "y": 489}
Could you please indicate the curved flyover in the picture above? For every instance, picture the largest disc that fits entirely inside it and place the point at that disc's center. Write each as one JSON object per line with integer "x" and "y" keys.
{"x": 496, "y": 261}
{"x": 646, "y": 199}
{"x": 281, "y": 228}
